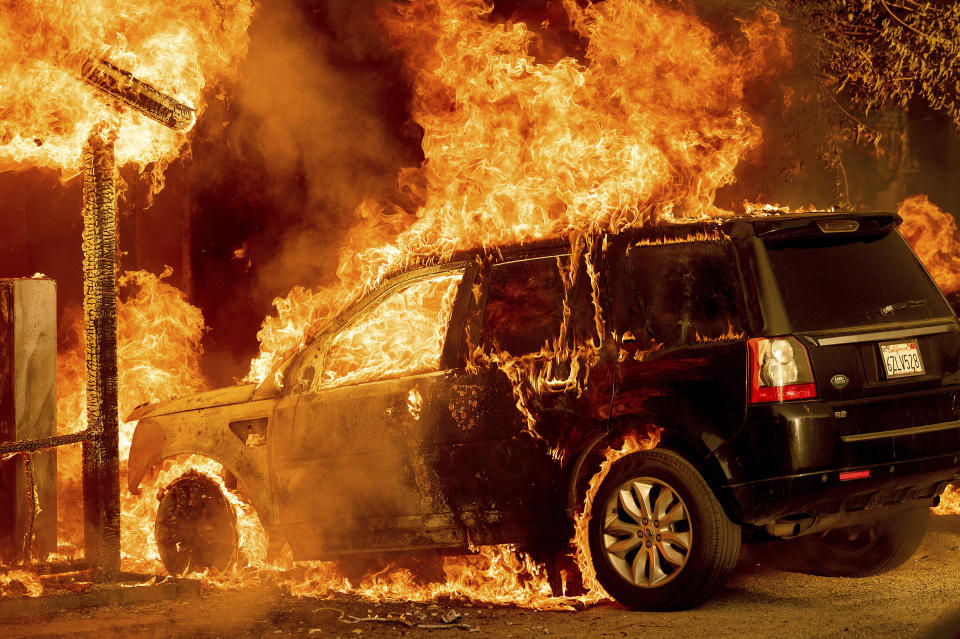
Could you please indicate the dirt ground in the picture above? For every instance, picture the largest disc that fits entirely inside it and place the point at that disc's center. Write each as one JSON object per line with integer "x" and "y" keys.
{"x": 919, "y": 599}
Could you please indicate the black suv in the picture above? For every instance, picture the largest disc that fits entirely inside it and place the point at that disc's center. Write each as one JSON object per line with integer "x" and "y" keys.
{"x": 801, "y": 372}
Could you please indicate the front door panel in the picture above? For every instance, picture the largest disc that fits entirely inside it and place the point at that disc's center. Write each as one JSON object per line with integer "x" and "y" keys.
{"x": 354, "y": 472}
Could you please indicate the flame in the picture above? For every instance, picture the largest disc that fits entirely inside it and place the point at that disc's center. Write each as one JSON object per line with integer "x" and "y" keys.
{"x": 760, "y": 209}
{"x": 409, "y": 317}
{"x": 949, "y": 502}
{"x": 179, "y": 46}
{"x": 415, "y": 403}
{"x": 932, "y": 234}
{"x": 632, "y": 443}
{"x": 14, "y": 583}
{"x": 649, "y": 124}
{"x": 158, "y": 350}
{"x": 494, "y": 575}
{"x": 730, "y": 335}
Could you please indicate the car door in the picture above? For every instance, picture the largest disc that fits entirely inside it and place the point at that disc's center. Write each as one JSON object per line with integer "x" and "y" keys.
{"x": 354, "y": 462}
{"x": 517, "y": 401}
{"x": 680, "y": 311}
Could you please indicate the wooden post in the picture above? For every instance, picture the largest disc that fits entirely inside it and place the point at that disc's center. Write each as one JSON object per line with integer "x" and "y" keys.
{"x": 101, "y": 455}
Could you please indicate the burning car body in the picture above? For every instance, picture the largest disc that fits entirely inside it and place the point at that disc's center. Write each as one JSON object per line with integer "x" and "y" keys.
{"x": 466, "y": 402}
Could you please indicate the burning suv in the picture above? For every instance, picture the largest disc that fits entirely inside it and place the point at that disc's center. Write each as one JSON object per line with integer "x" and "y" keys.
{"x": 798, "y": 374}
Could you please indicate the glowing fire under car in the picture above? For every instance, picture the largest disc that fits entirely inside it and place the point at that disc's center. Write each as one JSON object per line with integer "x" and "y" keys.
{"x": 468, "y": 402}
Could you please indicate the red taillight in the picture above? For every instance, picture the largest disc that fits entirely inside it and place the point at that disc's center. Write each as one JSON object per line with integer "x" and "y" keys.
{"x": 854, "y": 474}
{"x": 780, "y": 370}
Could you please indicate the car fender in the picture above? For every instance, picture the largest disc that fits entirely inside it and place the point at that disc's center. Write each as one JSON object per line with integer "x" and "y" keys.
{"x": 215, "y": 432}
{"x": 693, "y": 444}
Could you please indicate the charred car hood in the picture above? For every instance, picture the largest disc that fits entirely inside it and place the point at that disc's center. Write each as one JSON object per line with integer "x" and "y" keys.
{"x": 209, "y": 399}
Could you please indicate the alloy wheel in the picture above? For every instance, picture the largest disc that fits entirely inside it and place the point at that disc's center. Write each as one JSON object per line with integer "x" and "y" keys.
{"x": 647, "y": 534}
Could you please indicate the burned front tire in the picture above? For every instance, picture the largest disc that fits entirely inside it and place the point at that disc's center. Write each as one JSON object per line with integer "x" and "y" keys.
{"x": 864, "y": 550}
{"x": 659, "y": 538}
{"x": 196, "y": 526}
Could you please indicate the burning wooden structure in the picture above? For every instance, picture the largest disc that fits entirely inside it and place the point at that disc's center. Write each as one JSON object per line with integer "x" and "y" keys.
{"x": 101, "y": 456}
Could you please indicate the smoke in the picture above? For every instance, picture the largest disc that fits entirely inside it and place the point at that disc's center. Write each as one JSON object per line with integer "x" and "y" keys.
{"x": 321, "y": 105}
{"x": 317, "y": 124}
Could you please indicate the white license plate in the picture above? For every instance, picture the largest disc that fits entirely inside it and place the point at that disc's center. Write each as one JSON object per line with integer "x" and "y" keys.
{"x": 901, "y": 359}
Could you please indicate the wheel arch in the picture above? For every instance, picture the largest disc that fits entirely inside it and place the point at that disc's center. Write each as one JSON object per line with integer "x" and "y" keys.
{"x": 159, "y": 438}
{"x": 681, "y": 441}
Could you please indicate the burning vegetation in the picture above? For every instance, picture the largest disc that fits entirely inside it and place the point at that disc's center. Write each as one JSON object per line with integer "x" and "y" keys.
{"x": 637, "y": 115}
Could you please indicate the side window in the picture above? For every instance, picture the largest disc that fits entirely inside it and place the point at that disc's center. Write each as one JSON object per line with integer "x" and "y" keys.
{"x": 677, "y": 293}
{"x": 525, "y": 305}
{"x": 402, "y": 334}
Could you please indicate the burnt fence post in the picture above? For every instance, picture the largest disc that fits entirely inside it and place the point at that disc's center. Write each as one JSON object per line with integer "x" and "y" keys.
{"x": 101, "y": 457}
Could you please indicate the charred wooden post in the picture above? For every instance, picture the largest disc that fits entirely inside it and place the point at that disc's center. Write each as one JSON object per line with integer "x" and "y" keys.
{"x": 101, "y": 456}
{"x": 137, "y": 94}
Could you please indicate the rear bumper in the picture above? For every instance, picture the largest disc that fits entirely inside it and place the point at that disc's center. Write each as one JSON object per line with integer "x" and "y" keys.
{"x": 821, "y": 494}
{"x": 789, "y": 458}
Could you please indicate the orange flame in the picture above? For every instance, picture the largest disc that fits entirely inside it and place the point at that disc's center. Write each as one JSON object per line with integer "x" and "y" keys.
{"x": 179, "y": 46}
{"x": 414, "y": 311}
{"x": 14, "y": 583}
{"x": 632, "y": 443}
{"x": 949, "y": 502}
{"x": 932, "y": 234}
{"x": 158, "y": 351}
{"x": 649, "y": 124}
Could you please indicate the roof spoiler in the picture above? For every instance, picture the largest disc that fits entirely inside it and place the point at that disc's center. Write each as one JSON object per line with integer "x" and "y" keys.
{"x": 787, "y": 227}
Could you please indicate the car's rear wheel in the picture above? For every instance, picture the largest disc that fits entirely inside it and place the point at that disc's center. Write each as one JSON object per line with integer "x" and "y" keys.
{"x": 196, "y": 526}
{"x": 659, "y": 538}
{"x": 864, "y": 550}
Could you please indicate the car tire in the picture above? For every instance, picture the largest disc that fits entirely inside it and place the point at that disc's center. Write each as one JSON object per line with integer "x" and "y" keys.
{"x": 864, "y": 550}
{"x": 648, "y": 564}
{"x": 196, "y": 526}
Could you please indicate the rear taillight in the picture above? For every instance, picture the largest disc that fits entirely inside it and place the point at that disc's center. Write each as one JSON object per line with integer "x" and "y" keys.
{"x": 779, "y": 370}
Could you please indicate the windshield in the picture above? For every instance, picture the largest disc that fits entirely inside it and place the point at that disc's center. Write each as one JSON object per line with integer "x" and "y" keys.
{"x": 839, "y": 281}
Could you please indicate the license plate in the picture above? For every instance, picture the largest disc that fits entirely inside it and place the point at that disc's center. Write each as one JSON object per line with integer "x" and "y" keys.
{"x": 901, "y": 359}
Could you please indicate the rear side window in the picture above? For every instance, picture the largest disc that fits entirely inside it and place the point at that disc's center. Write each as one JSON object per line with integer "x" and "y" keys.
{"x": 848, "y": 281}
{"x": 676, "y": 293}
{"x": 525, "y": 305}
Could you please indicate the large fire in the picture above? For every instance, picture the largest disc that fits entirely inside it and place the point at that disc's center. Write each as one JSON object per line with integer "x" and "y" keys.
{"x": 933, "y": 235}
{"x": 651, "y": 123}
{"x": 519, "y": 149}
{"x": 158, "y": 358}
{"x": 519, "y": 145}
{"x": 179, "y": 46}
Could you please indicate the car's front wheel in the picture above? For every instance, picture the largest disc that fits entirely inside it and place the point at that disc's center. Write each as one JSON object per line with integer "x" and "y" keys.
{"x": 196, "y": 526}
{"x": 864, "y": 550}
{"x": 659, "y": 538}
